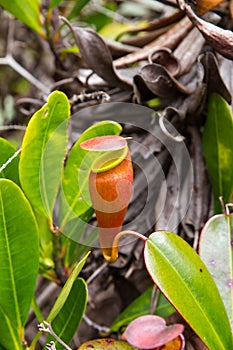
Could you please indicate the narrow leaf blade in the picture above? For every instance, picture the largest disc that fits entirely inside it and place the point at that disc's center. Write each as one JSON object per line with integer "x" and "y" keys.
{"x": 215, "y": 250}
{"x": 43, "y": 152}
{"x": 67, "y": 320}
{"x": 185, "y": 281}
{"x": 218, "y": 148}
{"x": 19, "y": 253}
{"x": 27, "y": 12}
{"x": 66, "y": 290}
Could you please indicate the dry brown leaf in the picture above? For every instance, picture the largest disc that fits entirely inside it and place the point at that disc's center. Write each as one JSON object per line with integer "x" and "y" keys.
{"x": 220, "y": 39}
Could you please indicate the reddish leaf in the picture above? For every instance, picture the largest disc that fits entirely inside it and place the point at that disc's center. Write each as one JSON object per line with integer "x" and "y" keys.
{"x": 149, "y": 332}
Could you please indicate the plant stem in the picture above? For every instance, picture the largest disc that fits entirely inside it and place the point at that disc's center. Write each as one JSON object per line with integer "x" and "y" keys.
{"x": 47, "y": 328}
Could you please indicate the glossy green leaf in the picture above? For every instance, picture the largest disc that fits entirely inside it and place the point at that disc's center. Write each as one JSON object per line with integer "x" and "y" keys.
{"x": 141, "y": 306}
{"x": 43, "y": 152}
{"x": 45, "y": 236}
{"x": 185, "y": 281}
{"x": 215, "y": 249}
{"x": 27, "y": 11}
{"x": 19, "y": 253}
{"x": 9, "y": 171}
{"x": 75, "y": 199}
{"x": 67, "y": 320}
{"x": 106, "y": 343}
{"x": 9, "y": 338}
{"x": 64, "y": 294}
{"x": 218, "y": 148}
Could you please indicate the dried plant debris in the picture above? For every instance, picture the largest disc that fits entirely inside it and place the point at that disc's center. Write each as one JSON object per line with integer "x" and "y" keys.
{"x": 97, "y": 56}
{"x": 220, "y": 39}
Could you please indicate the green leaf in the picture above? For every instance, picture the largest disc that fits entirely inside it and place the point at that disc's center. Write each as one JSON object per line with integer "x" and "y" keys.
{"x": 27, "y": 11}
{"x": 9, "y": 336}
{"x": 43, "y": 153}
{"x": 106, "y": 343}
{"x": 54, "y": 3}
{"x": 9, "y": 171}
{"x": 19, "y": 253}
{"x": 45, "y": 236}
{"x": 66, "y": 290}
{"x": 141, "y": 306}
{"x": 75, "y": 199}
{"x": 215, "y": 250}
{"x": 218, "y": 148}
{"x": 67, "y": 321}
{"x": 185, "y": 281}
{"x": 78, "y": 6}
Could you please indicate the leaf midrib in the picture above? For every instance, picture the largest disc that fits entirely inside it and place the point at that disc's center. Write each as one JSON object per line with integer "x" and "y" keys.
{"x": 190, "y": 293}
{"x": 44, "y": 141}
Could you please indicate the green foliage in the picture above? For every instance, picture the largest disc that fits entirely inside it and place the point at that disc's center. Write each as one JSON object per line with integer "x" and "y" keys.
{"x": 9, "y": 334}
{"x": 66, "y": 290}
{"x": 141, "y": 306}
{"x": 23, "y": 245}
{"x": 218, "y": 148}
{"x": 11, "y": 170}
{"x": 19, "y": 259}
{"x": 67, "y": 320}
{"x": 27, "y": 11}
{"x": 176, "y": 269}
{"x": 183, "y": 278}
{"x": 215, "y": 250}
{"x": 43, "y": 152}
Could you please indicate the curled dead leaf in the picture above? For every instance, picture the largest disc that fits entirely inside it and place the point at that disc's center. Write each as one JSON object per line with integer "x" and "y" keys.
{"x": 159, "y": 81}
{"x": 165, "y": 57}
{"x": 220, "y": 39}
{"x": 213, "y": 78}
{"x": 97, "y": 56}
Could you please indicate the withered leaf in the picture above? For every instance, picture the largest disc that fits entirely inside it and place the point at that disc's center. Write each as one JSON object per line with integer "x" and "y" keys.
{"x": 220, "y": 39}
{"x": 161, "y": 82}
{"x": 200, "y": 205}
{"x": 97, "y": 56}
{"x": 169, "y": 39}
{"x": 212, "y": 78}
{"x": 165, "y": 57}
